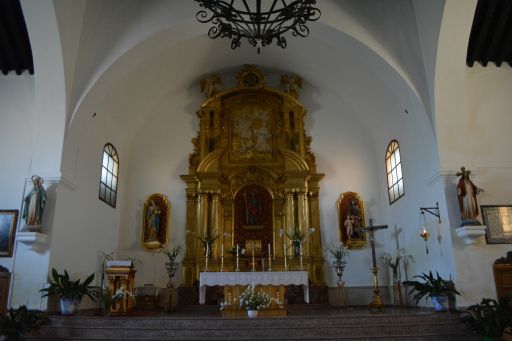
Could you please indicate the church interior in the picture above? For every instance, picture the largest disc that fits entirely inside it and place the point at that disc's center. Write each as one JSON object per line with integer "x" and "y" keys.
{"x": 147, "y": 134}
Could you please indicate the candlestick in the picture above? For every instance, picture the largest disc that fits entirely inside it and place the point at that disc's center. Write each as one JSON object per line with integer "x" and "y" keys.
{"x": 285, "y": 263}
{"x": 262, "y": 263}
{"x": 237, "y": 268}
{"x": 269, "y": 259}
{"x": 222, "y": 258}
{"x": 253, "y": 268}
{"x": 206, "y": 259}
{"x": 300, "y": 251}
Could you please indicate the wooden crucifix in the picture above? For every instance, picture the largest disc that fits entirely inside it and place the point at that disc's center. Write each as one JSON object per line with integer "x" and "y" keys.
{"x": 377, "y": 299}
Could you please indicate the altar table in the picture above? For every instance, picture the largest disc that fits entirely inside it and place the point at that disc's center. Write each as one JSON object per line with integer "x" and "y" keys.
{"x": 257, "y": 278}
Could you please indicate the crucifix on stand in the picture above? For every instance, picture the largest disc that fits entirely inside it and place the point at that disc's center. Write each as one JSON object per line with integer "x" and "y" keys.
{"x": 377, "y": 299}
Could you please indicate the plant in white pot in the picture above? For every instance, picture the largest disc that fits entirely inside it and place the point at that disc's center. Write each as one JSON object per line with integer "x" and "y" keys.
{"x": 437, "y": 288}
{"x": 70, "y": 292}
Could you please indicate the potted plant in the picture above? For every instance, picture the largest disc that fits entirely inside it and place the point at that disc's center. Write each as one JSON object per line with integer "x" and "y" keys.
{"x": 491, "y": 318}
{"x": 437, "y": 288}
{"x": 252, "y": 301}
{"x": 21, "y": 321}
{"x": 70, "y": 292}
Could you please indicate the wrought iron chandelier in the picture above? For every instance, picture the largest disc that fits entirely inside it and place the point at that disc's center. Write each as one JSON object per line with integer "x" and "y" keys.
{"x": 237, "y": 19}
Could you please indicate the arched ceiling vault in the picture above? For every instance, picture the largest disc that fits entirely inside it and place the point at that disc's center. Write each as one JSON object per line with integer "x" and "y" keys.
{"x": 347, "y": 53}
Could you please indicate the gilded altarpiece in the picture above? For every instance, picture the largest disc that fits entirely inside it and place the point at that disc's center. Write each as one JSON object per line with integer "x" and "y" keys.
{"x": 251, "y": 174}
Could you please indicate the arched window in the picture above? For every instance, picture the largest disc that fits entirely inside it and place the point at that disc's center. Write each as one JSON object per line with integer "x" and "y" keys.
{"x": 394, "y": 172}
{"x": 109, "y": 174}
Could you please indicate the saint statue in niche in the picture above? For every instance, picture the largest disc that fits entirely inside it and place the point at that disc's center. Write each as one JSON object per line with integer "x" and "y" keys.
{"x": 351, "y": 219}
{"x": 34, "y": 202}
{"x": 155, "y": 217}
{"x": 466, "y": 193}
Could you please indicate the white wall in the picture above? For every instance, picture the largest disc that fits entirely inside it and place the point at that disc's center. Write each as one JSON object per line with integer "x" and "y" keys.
{"x": 487, "y": 106}
{"x": 16, "y": 113}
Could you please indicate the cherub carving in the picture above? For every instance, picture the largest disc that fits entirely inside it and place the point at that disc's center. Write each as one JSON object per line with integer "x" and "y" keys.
{"x": 210, "y": 85}
{"x": 291, "y": 84}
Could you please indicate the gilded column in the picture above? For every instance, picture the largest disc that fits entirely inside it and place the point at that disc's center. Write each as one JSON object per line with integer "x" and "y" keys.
{"x": 202, "y": 214}
{"x": 215, "y": 219}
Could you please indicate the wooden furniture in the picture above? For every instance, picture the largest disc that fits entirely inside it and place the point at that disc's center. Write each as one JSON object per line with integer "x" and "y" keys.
{"x": 5, "y": 281}
{"x": 503, "y": 279}
{"x": 121, "y": 275}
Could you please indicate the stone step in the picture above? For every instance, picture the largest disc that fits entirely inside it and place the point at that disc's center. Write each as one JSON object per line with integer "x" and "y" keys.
{"x": 316, "y": 324}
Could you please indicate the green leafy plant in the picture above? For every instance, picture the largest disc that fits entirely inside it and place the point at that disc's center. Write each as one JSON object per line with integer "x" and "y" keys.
{"x": 172, "y": 252}
{"x": 489, "y": 317}
{"x": 64, "y": 287}
{"x": 431, "y": 286}
{"x": 296, "y": 236}
{"x": 338, "y": 252}
{"x": 207, "y": 239}
{"x": 21, "y": 321}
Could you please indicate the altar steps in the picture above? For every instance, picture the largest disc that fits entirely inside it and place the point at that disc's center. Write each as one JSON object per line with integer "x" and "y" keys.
{"x": 317, "y": 324}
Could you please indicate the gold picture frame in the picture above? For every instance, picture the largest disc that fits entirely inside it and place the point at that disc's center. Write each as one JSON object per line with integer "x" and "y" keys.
{"x": 8, "y": 222}
{"x": 351, "y": 217}
{"x": 155, "y": 221}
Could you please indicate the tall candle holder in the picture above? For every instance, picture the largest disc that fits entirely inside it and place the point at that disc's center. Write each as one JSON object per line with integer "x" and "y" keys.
{"x": 301, "y": 255}
{"x": 285, "y": 263}
{"x": 237, "y": 268}
{"x": 269, "y": 259}
{"x": 206, "y": 260}
{"x": 253, "y": 264}
{"x": 222, "y": 258}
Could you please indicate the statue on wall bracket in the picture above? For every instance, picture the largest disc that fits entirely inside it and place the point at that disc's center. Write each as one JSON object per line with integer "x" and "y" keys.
{"x": 155, "y": 221}
{"x": 350, "y": 219}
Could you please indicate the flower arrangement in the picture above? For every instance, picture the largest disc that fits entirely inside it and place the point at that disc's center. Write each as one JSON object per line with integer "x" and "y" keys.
{"x": 253, "y": 300}
{"x": 296, "y": 236}
{"x": 338, "y": 252}
{"x": 394, "y": 262}
{"x": 108, "y": 298}
{"x": 207, "y": 239}
{"x": 171, "y": 252}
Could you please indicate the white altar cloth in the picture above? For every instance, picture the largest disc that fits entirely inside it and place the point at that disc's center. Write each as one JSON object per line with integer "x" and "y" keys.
{"x": 256, "y": 278}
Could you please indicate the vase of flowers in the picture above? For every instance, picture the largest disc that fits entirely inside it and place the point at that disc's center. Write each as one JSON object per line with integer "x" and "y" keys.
{"x": 171, "y": 266}
{"x": 297, "y": 238}
{"x": 253, "y": 301}
{"x": 207, "y": 240}
{"x": 109, "y": 298}
{"x": 338, "y": 253}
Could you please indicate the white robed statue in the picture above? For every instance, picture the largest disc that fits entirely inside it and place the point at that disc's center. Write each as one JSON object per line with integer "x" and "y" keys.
{"x": 34, "y": 203}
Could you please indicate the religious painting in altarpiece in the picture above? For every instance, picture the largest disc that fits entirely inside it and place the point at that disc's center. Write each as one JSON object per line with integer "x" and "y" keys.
{"x": 251, "y": 175}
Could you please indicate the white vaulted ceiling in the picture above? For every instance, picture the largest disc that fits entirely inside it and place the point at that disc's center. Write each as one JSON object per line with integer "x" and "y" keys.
{"x": 365, "y": 54}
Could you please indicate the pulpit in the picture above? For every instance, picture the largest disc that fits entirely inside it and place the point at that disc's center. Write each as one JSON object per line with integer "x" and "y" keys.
{"x": 121, "y": 276}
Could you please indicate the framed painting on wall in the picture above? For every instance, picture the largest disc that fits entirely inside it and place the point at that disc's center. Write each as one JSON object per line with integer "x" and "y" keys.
{"x": 155, "y": 221}
{"x": 350, "y": 219}
{"x": 498, "y": 220}
{"x": 8, "y": 221}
